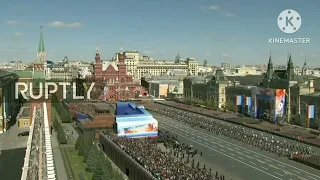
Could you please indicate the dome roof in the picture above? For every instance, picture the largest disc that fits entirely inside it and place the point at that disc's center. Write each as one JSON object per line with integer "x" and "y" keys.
{"x": 50, "y": 62}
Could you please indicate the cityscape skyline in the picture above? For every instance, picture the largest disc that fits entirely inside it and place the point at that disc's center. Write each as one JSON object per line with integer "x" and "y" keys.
{"x": 161, "y": 33}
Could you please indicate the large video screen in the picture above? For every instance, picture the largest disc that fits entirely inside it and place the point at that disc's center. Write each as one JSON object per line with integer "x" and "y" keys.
{"x": 138, "y": 129}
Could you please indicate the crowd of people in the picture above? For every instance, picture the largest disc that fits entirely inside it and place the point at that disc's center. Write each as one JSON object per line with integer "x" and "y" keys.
{"x": 263, "y": 141}
{"x": 175, "y": 162}
{"x": 84, "y": 108}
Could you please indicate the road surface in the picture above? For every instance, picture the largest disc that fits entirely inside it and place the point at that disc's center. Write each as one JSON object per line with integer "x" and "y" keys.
{"x": 243, "y": 161}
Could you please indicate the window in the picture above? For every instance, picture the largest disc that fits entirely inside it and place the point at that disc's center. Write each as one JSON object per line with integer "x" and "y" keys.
{"x": 26, "y": 124}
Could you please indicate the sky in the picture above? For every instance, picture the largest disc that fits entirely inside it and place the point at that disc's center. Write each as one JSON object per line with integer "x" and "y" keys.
{"x": 231, "y": 31}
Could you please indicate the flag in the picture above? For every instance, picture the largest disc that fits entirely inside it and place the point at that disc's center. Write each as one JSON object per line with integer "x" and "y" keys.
{"x": 239, "y": 100}
{"x": 310, "y": 111}
{"x": 248, "y": 101}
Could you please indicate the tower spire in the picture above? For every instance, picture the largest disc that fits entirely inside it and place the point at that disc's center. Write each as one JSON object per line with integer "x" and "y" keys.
{"x": 97, "y": 50}
{"x": 270, "y": 60}
{"x": 41, "y": 51}
{"x": 269, "y": 74}
{"x": 41, "y": 43}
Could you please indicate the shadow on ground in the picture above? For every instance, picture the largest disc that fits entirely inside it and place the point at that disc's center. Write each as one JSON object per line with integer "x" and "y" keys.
{"x": 11, "y": 163}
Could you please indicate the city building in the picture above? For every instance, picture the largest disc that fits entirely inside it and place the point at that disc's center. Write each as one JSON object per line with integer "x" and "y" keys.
{"x": 245, "y": 71}
{"x": 24, "y": 117}
{"x": 93, "y": 116}
{"x": 226, "y": 65}
{"x": 134, "y": 121}
{"x": 162, "y": 88}
{"x": 8, "y": 102}
{"x": 205, "y": 71}
{"x": 209, "y": 89}
{"x": 193, "y": 66}
{"x": 140, "y": 66}
{"x": 176, "y": 91}
{"x": 205, "y": 63}
{"x": 158, "y": 68}
{"x": 114, "y": 83}
{"x": 17, "y": 65}
{"x": 281, "y": 96}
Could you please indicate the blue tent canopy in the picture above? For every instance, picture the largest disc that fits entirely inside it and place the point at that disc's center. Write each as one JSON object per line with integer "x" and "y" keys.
{"x": 82, "y": 117}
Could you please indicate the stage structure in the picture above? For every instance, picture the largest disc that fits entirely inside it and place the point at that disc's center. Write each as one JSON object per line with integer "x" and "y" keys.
{"x": 135, "y": 121}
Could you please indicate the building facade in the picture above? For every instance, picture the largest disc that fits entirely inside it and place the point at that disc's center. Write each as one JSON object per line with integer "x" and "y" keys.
{"x": 140, "y": 66}
{"x": 8, "y": 101}
{"x": 282, "y": 96}
{"x": 114, "y": 83}
{"x": 209, "y": 90}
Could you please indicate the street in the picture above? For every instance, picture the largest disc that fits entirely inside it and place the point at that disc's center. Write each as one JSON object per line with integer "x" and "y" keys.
{"x": 237, "y": 160}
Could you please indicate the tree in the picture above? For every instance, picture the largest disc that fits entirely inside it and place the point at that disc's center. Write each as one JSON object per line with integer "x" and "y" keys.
{"x": 99, "y": 172}
{"x": 78, "y": 142}
{"x": 81, "y": 146}
{"x": 92, "y": 159}
{"x": 231, "y": 106}
{"x": 86, "y": 149}
{"x": 61, "y": 135}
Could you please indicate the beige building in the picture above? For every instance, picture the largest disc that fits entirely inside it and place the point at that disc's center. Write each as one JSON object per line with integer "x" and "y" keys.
{"x": 161, "y": 88}
{"x": 140, "y": 66}
{"x": 193, "y": 66}
{"x": 245, "y": 71}
{"x": 24, "y": 117}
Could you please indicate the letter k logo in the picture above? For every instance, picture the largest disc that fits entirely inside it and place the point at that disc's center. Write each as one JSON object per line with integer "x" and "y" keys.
{"x": 288, "y": 21}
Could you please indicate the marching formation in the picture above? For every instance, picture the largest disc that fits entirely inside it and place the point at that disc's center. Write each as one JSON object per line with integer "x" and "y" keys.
{"x": 263, "y": 141}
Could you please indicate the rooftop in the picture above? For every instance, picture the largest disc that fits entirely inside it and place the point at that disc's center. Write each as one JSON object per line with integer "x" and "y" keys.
{"x": 126, "y": 109}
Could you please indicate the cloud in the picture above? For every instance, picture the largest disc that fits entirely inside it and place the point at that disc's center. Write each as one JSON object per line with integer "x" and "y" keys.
{"x": 18, "y": 34}
{"x": 59, "y": 24}
{"x": 228, "y": 14}
{"x": 302, "y": 54}
{"x": 207, "y": 54}
{"x": 225, "y": 55}
{"x": 11, "y": 22}
{"x": 210, "y": 8}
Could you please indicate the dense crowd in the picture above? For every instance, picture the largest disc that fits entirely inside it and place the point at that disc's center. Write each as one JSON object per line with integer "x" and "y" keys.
{"x": 176, "y": 162}
{"x": 263, "y": 141}
{"x": 84, "y": 108}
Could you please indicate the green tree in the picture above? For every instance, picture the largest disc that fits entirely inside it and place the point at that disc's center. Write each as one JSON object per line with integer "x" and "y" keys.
{"x": 61, "y": 135}
{"x": 81, "y": 147}
{"x": 99, "y": 172}
{"x": 231, "y": 106}
{"x": 78, "y": 142}
{"x": 86, "y": 149}
{"x": 92, "y": 159}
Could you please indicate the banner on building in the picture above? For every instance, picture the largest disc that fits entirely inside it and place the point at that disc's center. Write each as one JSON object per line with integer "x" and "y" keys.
{"x": 243, "y": 105}
{"x": 239, "y": 100}
{"x": 280, "y": 105}
{"x": 311, "y": 111}
{"x": 249, "y": 104}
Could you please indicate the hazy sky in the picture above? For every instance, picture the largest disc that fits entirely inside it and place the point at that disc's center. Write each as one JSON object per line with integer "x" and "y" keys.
{"x": 234, "y": 31}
